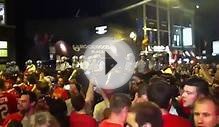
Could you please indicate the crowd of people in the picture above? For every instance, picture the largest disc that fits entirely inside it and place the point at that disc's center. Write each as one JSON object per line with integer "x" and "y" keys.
{"x": 177, "y": 95}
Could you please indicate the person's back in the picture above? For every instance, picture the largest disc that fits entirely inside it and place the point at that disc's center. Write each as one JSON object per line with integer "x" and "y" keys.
{"x": 107, "y": 123}
{"x": 175, "y": 121}
{"x": 79, "y": 118}
{"x": 82, "y": 120}
{"x": 119, "y": 104}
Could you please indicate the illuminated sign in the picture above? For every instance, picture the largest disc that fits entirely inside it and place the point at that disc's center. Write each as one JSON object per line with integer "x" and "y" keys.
{"x": 3, "y": 53}
{"x": 3, "y": 44}
{"x": 101, "y": 29}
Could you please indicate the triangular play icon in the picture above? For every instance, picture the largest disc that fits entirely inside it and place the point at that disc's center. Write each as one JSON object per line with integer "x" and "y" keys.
{"x": 109, "y": 63}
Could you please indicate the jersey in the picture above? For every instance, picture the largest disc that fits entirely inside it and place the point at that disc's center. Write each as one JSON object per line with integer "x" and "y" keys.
{"x": 8, "y": 105}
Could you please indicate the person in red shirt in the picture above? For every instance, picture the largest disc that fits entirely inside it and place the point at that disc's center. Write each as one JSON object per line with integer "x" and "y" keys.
{"x": 79, "y": 117}
{"x": 60, "y": 93}
{"x": 119, "y": 104}
{"x": 23, "y": 106}
{"x": 14, "y": 117}
{"x": 8, "y": 102}
{"x": 160, "y": 92}
{"x": 193, "y": 89}
{"x": 206, "y": 112}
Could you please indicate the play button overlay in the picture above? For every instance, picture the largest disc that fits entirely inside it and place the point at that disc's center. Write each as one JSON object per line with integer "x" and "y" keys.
{"x": 110, "y": 62}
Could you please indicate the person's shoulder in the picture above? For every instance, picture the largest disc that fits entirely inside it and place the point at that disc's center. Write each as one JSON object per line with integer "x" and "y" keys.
{"x": 106, "y": 123}
{"x": 179, "y": 121}
{"x": 102, "y": 104}
{"x": 8, "y": 96}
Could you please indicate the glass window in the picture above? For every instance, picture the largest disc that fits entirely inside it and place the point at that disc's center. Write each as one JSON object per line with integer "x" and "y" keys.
{"x": 164, "y": 38}
{"x": 151, "y": 12}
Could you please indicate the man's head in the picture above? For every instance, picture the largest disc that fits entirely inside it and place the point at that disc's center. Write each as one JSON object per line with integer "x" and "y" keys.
{"x": 148, "y": 114}
{"x": 134, "y": 83}
{"x": 206, "y": 112}
{"x": 119, "y": 104}
{"x": 160, "y": 92}
{"x": 26, "y": 101}
{"x": 78, "y": 102}
{"x": 193, "y": 89}
{"x": 142, "y": 93}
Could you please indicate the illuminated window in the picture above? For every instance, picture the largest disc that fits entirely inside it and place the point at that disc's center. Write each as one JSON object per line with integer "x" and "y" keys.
{"x": 2, "y": 13}
{"x": 3, "y": 49}
{"x": 215, "y": 46}
{"x": 187, "y": 36}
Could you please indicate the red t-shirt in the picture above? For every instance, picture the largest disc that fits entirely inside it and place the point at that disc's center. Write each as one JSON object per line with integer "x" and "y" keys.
{"x": 26, "y": 87}
{"x": 59, "y": 92}
{"x": 106, "y": 123}
{"x": 175, "y": 121}
{"x": 8, "y": 105}
{"x": 12, "y": 117}
{"x": 82, "y": 120}
{"x": 186, "y": 110}
{"x": 14, "y": 93}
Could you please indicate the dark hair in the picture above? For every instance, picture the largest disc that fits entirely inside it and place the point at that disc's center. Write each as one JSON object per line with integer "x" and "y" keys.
{"x": 200, "y": 84}
{"x": 118, "y": 102}
{"x": 160, "y": 93}
{"x": 44, "y": 87}
{"x": 32, "y": 79}
{"x": 142, "y": 89}
{"x": 77, "y": 102}
{"x": 32, "y": 95}
{"x": 148, "y": 112}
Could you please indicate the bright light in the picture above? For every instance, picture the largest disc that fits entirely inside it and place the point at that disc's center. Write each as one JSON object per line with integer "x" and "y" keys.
{"x": 133, "y": 36}
{"x": 192, "y": 61}
{"x": 198, "y": 57}
{"x": 215, "y": 46}
{"x": 197, "y": 6}
{"x": 187, "y": 36}
{"x": 3, "y": 44}
{"x": 101, "y": 29}
{"x": 192, "y": 53}
{"x": 62, "y": 47}
{"x": 213, "y": 54}
{"x": 187, "y": 54}
{"x": 204, "y": 57}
